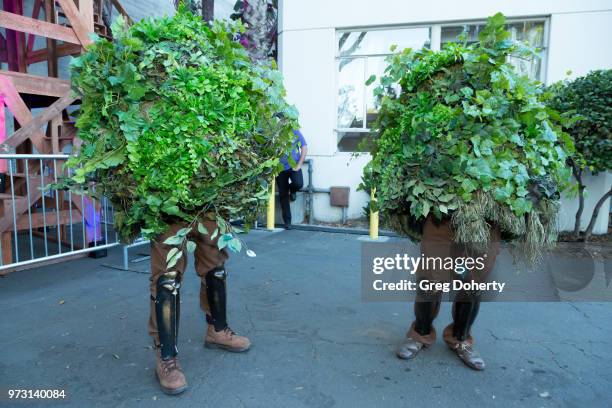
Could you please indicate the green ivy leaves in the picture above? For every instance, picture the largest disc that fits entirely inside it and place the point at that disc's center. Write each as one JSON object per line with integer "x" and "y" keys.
{"x": 185, "y": 240}
{"x": 177, "y": 123}
{"x": 464, "y": 124}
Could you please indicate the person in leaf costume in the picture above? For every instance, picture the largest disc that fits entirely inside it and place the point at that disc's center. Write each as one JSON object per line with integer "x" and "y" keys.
{"x": 468, "y": 154}
{"x": 183, "y": 133}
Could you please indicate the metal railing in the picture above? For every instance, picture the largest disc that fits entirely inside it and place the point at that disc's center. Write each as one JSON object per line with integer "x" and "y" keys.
{"x": 41, "y": 224}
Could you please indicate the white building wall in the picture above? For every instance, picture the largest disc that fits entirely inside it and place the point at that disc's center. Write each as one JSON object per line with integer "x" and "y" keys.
{"x": 579, "y": 33}
{"x": 596, "y": 187}
{"x": 138, "y": 9}
{"x": 579, "y": 42}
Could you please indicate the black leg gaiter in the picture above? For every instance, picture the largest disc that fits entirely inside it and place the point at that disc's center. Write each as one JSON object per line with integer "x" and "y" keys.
{"x": 217, "y": 297}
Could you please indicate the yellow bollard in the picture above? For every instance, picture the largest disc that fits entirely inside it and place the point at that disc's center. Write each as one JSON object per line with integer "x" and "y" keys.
{"x": 271, "y": 206}
{"x": 373, "y": 216}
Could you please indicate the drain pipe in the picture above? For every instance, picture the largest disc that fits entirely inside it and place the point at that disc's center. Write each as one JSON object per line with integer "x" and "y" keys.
{"x": 310, "y": 191}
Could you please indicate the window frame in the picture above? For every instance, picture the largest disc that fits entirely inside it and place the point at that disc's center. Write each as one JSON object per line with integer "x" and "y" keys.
{"x": 545, "y": 35}
{"x": 364, "y": 57}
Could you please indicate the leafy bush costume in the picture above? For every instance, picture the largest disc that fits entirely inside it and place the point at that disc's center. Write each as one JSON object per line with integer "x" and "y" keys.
{"x": 182, "y": 132}
{"x": 462, "y": 135}
{"x": 177, "y": 123}
{"x": 467, "y": 153}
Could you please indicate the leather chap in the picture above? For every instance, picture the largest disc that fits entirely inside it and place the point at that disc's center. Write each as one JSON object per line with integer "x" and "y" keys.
{"x": 167, "y": 312}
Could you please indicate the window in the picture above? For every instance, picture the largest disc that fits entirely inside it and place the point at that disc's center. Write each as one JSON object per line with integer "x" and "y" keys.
{"x": 529, "y": 31}
{"x": 360, "y": 54}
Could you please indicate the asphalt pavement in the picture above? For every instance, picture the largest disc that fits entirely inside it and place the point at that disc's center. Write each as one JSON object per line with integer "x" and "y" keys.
{"x": 81, "y": 326}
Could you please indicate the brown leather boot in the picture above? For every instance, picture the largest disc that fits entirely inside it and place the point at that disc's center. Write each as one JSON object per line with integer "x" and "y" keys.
{"x": 226, "y": 339}
{"x": 171, "y": 378}
{"x": 469, "y": 356}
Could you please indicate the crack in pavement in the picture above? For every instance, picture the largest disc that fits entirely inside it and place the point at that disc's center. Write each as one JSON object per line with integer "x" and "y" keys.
{"x": 585, "y": 315}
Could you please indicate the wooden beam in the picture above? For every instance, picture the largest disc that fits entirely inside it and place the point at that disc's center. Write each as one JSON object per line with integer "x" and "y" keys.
{"x": 35, "y": 14}
{"x": 122, "y": 11}
{"x": 51, "y": 49}
{"x": 11, "y": 38}
{"x": 20, "y": 110}
{"x": 86, "y": 7}
{"x": 16, "y": 22}
{"x": 55, "y": 123}
{"x": 6, "y": 241}
{"x": 77, "y": 22}
{"x": 30, "y": 129}
{"x": 21, "y": 40}
{"x": 69, "y": 132}
{"x": 12, "y": 99}
{"x": 62, "y": 51}
{"x": 37, "y": 85}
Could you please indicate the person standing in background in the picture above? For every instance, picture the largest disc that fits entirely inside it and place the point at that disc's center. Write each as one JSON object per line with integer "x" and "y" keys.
{"x": 288, "y": 191}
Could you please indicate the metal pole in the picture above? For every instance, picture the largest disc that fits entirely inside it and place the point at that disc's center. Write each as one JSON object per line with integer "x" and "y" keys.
{"x": 57, "y": 213}
{"x": 44, "y": 198}
{"x": 13, "y": 204}
{"x": 271, "y": 206}
{"x": 373, "y": 215}
{"x": 310, "y": 194}
{"x": 83, "y": 219}
{"x": 125, "y": 257}
{"x": 27, "y": 177}
{"x": 71, "y": 222}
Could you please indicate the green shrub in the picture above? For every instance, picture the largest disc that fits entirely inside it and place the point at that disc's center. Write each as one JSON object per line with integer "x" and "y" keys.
{"x": 590, "y": 97}
{"x": 463, "y": 135}
{"x": 178, "y": 124}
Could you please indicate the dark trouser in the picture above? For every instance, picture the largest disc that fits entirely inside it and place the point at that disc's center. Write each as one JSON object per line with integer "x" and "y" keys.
{"x": 437, "y": 241}
{"x": 208, "y": 258}
{"x": 285, "y": 188}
